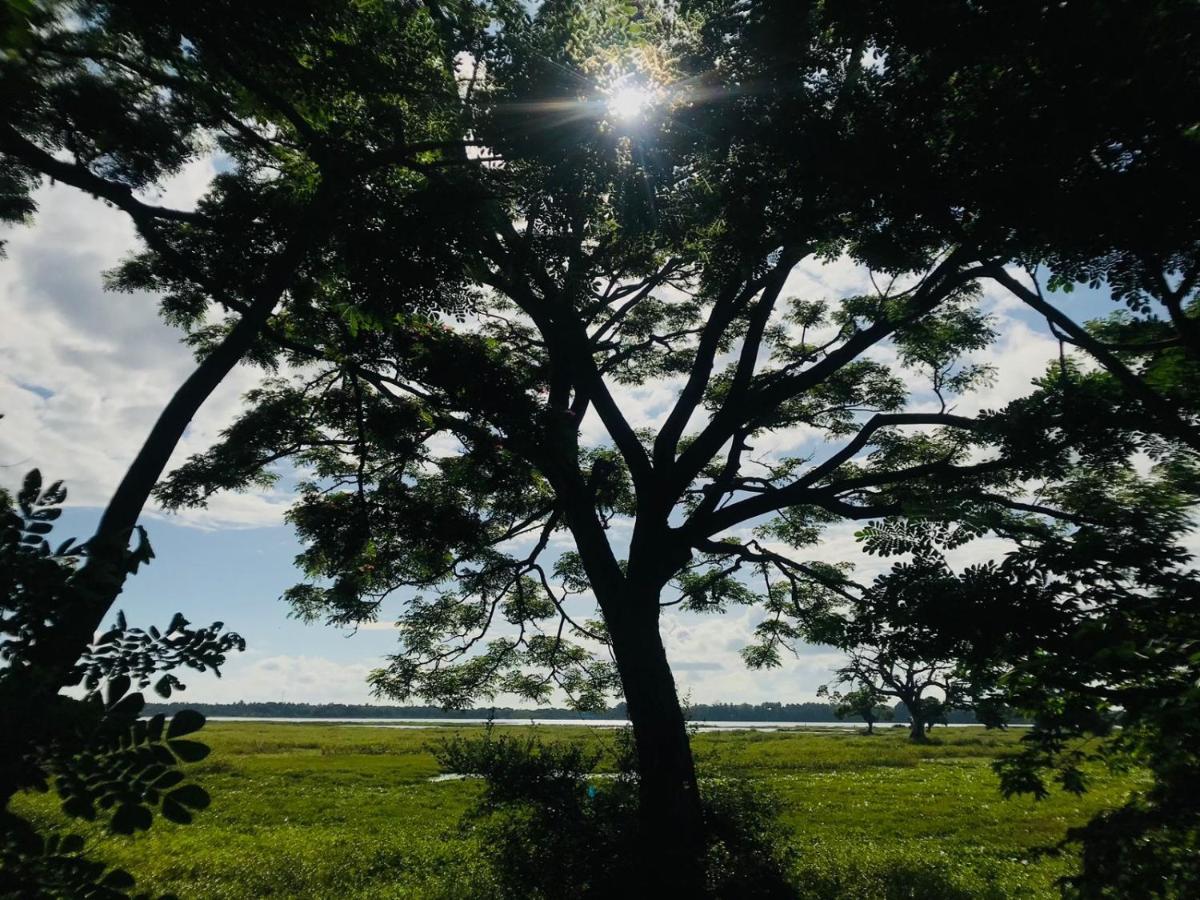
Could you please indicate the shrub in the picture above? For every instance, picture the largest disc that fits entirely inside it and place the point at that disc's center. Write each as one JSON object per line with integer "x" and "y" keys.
{"x": 550, "y": 828}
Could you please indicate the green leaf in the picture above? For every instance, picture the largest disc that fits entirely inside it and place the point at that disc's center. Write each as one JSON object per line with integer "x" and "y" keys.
{"x": 118, "y": 879}
{"x": 114, "y": 689}
{"x": 186, "y": 721}
{"x": 168, "y": 779}
{"x": 128, "y": 707}
{"x": 154, "y": 728}
{"x": 131, "y": 817}
{"x": 142, "y": 553}
{"x": 189, "y": 751}
{"x": 30, "y": 489}
{"x": 191, "y": 795}
{"x": 175, "y": 812}
{"x": 79, "y": 808}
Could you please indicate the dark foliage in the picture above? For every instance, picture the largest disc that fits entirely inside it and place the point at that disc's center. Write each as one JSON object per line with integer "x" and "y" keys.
{"x": 97, "y": 753}
{"x": 543, "y": 801}
{"x": 1093, "y": 635}
{"x": 945, "y": 146}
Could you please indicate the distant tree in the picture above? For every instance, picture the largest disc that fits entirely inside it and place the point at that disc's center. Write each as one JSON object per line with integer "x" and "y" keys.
{"x": 883, "y": 661}
{"x": 863, "y": 702}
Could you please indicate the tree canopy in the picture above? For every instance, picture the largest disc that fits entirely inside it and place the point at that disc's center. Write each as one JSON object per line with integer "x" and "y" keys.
{"x": 612, "y": 251}
{"x": 115, "y": 98}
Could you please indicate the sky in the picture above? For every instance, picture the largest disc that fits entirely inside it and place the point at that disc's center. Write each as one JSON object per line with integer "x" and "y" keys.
{"x": 84, "y": 372}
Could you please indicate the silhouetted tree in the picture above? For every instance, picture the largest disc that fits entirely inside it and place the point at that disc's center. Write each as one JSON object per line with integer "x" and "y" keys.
{"x": 1091, "y": 632}
{"x": 654, "y": 245}
{"x": 113, "y": 98}
{"x": 862, "y": 702}
{"x": 645, "y": 243}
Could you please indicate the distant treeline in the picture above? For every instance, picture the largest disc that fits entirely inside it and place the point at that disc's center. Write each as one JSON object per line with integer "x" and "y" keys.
{"x": 699, "y": 712}
{"x": 790, "y": 712}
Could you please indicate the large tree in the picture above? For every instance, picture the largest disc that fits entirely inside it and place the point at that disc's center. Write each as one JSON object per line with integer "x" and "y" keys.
{"x": 927, "y": 689}
{"x": 653, "y": 177}
{"x": 865, "y": 702}
{"x": 114, "y": 98}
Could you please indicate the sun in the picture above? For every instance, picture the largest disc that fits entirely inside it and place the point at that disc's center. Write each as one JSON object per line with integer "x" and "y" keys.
{"x": 629, "y": 103}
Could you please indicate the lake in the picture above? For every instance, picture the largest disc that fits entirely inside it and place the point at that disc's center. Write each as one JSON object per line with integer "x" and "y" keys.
{"x": 594, "y": 723}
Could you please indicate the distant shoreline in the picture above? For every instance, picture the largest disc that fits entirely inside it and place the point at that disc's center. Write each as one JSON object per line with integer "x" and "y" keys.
{"x": 762, "y": 714}
{"x": 708, "y": 725}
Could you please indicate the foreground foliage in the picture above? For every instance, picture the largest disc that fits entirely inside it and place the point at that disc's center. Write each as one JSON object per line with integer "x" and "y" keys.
{"x": 102, "y": 759}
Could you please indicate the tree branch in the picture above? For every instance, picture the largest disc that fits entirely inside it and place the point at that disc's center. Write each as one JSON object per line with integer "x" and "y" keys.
{"x": 945, "y": 279}
{"x": 1169, "y": 419}
{"x": 120, "y": 195}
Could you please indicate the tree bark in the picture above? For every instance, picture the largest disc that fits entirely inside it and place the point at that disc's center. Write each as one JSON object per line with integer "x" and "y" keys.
{"x": 916, "y": 731}
{"x": 671, "y": 813}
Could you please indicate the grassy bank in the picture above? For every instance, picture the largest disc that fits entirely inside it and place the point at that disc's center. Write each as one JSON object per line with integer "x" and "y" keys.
{"x": 349, "y": 812}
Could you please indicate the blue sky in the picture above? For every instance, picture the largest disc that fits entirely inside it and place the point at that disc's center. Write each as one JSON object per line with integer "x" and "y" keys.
{"x": 83, "y": 373}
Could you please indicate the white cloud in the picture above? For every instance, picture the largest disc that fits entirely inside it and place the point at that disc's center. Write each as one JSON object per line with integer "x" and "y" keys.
{"x": 385, "y": 625}
{"x": 84, "y": 373}
{"x": 817, "y": 280}
{"x": 705, "y": 654}
{"x": 298, "y": 679}
{"x": 253, "y": 509}
{"x": 1018, "y": 356}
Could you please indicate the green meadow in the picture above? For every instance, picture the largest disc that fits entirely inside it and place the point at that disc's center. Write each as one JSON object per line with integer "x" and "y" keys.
{"x": 346, "y": 811}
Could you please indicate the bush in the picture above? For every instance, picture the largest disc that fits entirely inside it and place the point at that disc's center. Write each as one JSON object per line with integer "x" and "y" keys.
{"x": 550, "y": 828}
{"x": 748, "y": 850}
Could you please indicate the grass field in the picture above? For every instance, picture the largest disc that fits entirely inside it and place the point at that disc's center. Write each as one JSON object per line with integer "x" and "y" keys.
{"x": 349, "y": 812}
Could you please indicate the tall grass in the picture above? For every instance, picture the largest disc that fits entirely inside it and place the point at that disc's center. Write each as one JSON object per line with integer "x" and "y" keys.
{"x": 319, "y": 810}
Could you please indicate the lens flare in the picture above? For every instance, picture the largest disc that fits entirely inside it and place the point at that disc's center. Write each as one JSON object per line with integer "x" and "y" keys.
{"x": 629, "y": 103}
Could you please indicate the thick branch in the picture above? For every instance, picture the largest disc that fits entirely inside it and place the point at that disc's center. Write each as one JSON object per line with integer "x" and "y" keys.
{"x": 726, "y": 307}
{"x": 1168, "y": 418}
{"x": 802, "y": 489}
{"x": 944, "y": 281}
{"x": 116, "y": 193}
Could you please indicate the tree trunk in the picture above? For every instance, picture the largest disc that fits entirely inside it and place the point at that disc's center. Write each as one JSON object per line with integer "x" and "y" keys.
{"x": 916, "y": 732}
{"x": 671, "y": 813}
{"x": 672, "y": 839}
{"x": 26, "y": 693}
{"x": 102, "y": 578}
